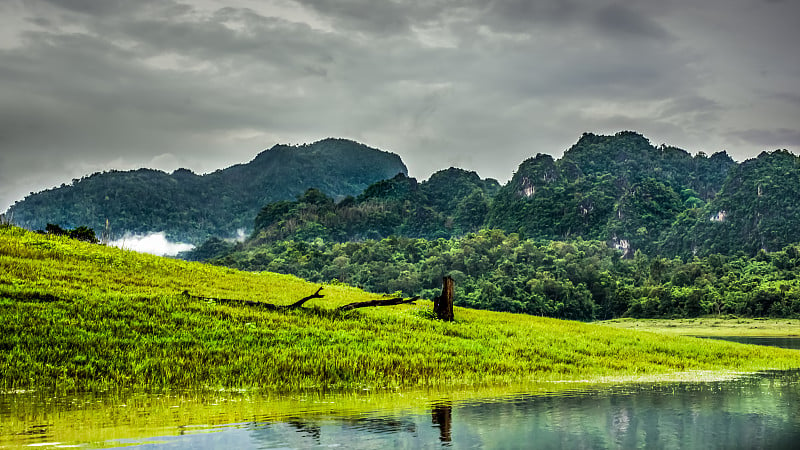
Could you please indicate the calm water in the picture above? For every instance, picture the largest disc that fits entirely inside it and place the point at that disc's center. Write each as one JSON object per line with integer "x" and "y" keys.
{"x": 755, "y": 412}
{"x": 772, "y": 341}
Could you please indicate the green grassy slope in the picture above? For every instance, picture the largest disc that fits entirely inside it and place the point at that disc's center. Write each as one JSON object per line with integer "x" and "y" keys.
{"x": 81, "y": 316}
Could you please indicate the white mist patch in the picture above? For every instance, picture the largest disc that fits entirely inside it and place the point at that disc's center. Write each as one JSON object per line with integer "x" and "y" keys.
{"x": 240, "y": 235}
{"x": 153, "y": 243}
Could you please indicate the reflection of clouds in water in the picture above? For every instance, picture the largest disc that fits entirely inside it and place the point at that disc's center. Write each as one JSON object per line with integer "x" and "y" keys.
{"x": 621, "y": 420}
{"x": 153, "y": 243}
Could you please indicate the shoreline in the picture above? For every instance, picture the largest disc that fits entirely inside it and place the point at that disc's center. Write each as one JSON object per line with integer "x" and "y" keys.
{"x": 711, "y": 326}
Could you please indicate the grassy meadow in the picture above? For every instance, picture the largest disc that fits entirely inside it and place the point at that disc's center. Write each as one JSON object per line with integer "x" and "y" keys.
{"x": 80, "y": 316}
{"x": 712, "y": 326}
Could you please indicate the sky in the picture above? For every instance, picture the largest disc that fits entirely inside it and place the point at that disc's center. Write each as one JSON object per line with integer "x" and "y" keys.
{"x": 94, "y": 85}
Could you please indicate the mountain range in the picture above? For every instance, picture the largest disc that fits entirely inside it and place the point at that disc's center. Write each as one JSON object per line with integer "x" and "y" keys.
{"x": 190, "y": 207}
{"x": 620, "y": 189}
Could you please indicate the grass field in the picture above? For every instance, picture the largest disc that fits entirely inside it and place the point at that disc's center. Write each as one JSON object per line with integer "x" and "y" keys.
{"x": 712, "y": 326}
{"x": 79, "y": 316}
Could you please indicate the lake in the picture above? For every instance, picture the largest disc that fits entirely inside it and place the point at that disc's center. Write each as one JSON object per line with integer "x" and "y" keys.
{"x": 753, "y": 411}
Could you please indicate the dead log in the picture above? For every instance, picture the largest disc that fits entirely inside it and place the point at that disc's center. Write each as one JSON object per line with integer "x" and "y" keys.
{"x": 387, "y": 302}
{"x": 443, "y": 304}
{"x": 300, "y": 302}
{"x": 250, "y": 303}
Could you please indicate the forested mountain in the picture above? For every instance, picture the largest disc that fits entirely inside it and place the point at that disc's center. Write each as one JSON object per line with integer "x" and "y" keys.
{"x": 617, "y": 188}
{"x": 451, "y": 203}
{"x": 758, "y": 208}
{"x": 193, "y": 207}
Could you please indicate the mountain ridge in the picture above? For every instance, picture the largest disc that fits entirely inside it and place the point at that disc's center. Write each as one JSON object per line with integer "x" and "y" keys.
{"x": 191, "y": 207}
{"x": 617, "y": 188}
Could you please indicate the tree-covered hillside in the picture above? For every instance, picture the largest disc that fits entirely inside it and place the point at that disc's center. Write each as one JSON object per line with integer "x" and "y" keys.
{"x": 619, "y": 189}
{"x": 758, "y": 208}
{"x": 193, "y": 207}
{"x": 451, "y": 203}
{"x": 583, "y": 280}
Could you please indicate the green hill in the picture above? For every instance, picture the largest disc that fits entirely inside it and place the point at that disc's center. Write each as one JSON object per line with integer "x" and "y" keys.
{"x": 452, "y": 202}
{"x": 190, "y": 207}
{"x": 756, "y": 209}
{"x": 81, "y": 316}
{"x": 619, "y": 189}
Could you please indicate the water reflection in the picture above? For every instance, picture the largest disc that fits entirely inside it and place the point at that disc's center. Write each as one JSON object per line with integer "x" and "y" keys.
{"x": 756, "y": 412}
{"x": 442, "y": 415}
{"x": 752, "y": 412}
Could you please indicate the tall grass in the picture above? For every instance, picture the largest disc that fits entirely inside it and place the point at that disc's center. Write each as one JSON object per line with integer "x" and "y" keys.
{"x": 79, "y": 316}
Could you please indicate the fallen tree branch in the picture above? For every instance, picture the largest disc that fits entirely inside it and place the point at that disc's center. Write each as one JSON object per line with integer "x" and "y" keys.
{"x": 300, "y": 302}
{"x": 263, "y": 305}
{"x": 389, "y": 302}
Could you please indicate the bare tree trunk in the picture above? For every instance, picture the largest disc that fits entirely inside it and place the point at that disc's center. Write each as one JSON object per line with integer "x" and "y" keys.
{"x": 387, "y": 302}
{"x": 443, "y": 304}
{"x": 264, "y": 305}
{"x": 298, "y": 304}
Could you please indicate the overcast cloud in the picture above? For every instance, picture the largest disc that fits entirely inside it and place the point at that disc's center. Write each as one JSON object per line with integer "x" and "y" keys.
{"x": 91, "y": 85}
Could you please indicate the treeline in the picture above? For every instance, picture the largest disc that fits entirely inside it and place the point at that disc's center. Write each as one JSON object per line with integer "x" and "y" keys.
{"x": 81, "y": 233}
{"x": 582, "y": 280}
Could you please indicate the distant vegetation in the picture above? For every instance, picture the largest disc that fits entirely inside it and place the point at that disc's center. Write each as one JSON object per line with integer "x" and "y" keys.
{"x": 81, "y": 233}
{"x": 81, "y": 316}
{"x": 617, "y": 189}
{"x": 582, "y": 280}
{"x": 451, "y": 203}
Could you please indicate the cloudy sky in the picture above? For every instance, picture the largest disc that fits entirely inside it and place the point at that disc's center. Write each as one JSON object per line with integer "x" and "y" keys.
{"x": 91, "y": 85}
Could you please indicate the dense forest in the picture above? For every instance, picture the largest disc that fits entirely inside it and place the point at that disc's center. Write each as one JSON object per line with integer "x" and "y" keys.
{"x": 451, "y": 203}
{"x": 580, "y": 279}
{"x": 190, "y": 207}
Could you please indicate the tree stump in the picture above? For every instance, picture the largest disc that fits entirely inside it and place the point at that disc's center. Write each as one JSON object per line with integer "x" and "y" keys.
{"x": 443, "y": 304}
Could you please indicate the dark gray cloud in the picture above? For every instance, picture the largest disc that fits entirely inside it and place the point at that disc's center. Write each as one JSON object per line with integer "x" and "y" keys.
{"x": 770, "y": 139}
{"x": 89, "y": 85}
{"x": 625, "y": 22}
{"x": 97, "y": 7}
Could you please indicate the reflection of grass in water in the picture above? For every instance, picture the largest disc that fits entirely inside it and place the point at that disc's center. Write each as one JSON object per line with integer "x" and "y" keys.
{"x": 87, "y": 317}
{"x": 103, "y": 419}
{"x": 712, "y": 326}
